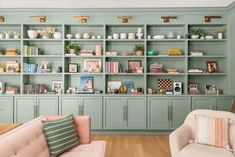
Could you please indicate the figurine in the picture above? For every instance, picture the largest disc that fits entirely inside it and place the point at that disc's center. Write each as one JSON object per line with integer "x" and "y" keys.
{"x": 139, "y": 34}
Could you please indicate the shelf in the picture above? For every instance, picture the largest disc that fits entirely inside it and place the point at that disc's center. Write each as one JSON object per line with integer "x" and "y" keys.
{"x": 42, "y": 73}
{"x": 83, "y": 73}
{"x": 166, "y": 56}
{"x": 125, "y": 40}
{"x": 85, "y": 40}
{"x": 42, "y": 56}
{"x": 166, "y": 74}
{"x": 207, "y": 74}
{"x": 208, "y": 56}
{"x": 5, "y": 73}
{"x": 10, "y": 56}
{"x": 10, "y": 39}
{"x": 167, "y": 40}
{"x": 78, "y": 56}
{"x": 53, "y": 40}
{"x": 124, "y": 56}
{"x": 207, "y": 40}
{"x": 127, "y": 74}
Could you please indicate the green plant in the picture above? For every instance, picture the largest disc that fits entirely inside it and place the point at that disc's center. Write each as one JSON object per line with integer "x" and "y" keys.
{"x": 198, "y": 32}
{"x": 221, "y": 30}
{"x": 73, "y": 46}
{"x": 138, "y": 48}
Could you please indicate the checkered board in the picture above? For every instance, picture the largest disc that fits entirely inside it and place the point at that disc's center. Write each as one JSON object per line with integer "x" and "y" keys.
{"x": 164, "y": 83}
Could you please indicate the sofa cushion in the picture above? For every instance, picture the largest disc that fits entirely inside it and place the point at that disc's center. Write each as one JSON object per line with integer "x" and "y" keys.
{"x": 94, "y": 149}
{"x": 199, "y": 150}
{"x": 212, "y": 131}
{"x": 61, "y": 135}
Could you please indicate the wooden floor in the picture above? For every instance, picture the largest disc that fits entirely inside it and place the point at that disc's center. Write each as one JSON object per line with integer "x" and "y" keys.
{"x": 135, "y": 145}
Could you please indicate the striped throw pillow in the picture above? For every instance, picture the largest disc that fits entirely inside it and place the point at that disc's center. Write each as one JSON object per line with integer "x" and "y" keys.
{"x": 212, "y": 131}
{"x": 61, "y": 135}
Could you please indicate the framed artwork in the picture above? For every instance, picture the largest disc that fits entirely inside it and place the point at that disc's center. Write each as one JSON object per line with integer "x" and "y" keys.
{"x": 212, "y": 66}
{"x": 86, "y": 82}
{"x": 73, "y": 67}
{"x": 133, "y": 65}
{"x": 129, "y": 85}
{"x": 56, "y": 85}
{"x": 112, "y": 85}
{"x": 92, "y": 65}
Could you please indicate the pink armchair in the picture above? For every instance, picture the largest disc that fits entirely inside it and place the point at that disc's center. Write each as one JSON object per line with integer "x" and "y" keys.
{"x": 179, "y": 139}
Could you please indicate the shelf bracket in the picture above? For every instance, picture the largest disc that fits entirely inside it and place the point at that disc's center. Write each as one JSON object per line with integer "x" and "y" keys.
{"x": 2, "y": 19}
{"x": 125, "y": 19}
{"x": 82, "y": 18}
{"x": 208, "y": 18}
{"x": 42, "y": 19}
{"x": 166, "y": 19}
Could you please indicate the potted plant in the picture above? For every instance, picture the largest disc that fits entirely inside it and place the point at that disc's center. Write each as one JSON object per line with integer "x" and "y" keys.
{"x": 221, "y": 32}
{"x": 73, "y": 48}
{"x": 196, "y": 34}
{"x": 139, "y": 50}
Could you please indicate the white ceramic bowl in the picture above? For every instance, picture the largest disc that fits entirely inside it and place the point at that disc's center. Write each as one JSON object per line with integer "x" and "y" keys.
{"x": 32, "y": 34}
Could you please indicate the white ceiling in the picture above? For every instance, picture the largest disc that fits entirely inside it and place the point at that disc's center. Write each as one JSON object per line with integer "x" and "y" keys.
{"x": 112, "y": 3}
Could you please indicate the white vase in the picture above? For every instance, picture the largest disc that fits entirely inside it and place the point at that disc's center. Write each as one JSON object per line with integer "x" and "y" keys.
{"x": 115, "y": 36}
{"x": 220, "y": 35}
{"x": 86, "y": 36}
{"x": 57, "y": 35}
{"x": 78, "y": 36}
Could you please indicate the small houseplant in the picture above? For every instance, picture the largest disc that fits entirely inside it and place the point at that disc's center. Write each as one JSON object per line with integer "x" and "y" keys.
{"x": 196, "y": 34}
{"x": 221, "y": 32}
{"x": 139, "y": 50}
{"x": 73, "y": 48}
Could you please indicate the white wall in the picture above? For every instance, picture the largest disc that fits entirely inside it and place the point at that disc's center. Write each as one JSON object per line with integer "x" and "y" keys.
{"x": 112, "y": 3}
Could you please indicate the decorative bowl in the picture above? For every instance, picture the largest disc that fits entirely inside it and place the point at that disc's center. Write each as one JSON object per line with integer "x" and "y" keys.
{"x": 209, "y": 37}
{"x": 194, "y": 36}
{"x": 160, "y": 36}
{"x": 152, "y": 52}
{"x": 32, "y": 34}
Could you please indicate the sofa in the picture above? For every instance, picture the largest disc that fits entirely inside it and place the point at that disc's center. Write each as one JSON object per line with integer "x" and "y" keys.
{"x": 28, "y": 140}
{"x": 181, "y": 146}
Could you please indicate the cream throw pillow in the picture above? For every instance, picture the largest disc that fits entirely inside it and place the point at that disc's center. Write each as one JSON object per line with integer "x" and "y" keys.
{"x": 212, "y": 131}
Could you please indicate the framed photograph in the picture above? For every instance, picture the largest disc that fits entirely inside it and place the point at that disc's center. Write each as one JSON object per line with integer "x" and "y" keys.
{"x": 86, "y": 82}
{"x": 112, "y": 85}
{"x": 92, "y": 65}
{"x": 129, "y": 85}
{"x": 73, "y": 67}
{"x": 56, "y": 85}
{"x": 133, "y": 65}
{"x": 212, "y": 66}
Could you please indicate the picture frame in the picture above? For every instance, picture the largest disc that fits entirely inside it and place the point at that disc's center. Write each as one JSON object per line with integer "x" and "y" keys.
{"x": 212, "y": 66}
{"x": 86, "y": 83}
{"x": 112, "y": 85}
{"x": 129, "y": 85}
{"x": 56, "y": 85}
{"x": 73, "y": 67}
{"x": 133, "y": 65}
{"x": 92, "y": 65}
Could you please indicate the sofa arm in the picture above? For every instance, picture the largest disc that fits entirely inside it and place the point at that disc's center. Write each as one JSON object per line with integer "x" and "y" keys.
{"x": 83, "y": 127}
{"x": 179, "y": 139}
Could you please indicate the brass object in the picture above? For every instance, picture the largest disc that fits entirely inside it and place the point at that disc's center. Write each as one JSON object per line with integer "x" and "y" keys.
{"x": 82, "y": 18}
{"x": 208, "y": 18}
{"x": 122, "y": 89}
{"x": 42, "y": 19}
{"x": 167, "y": 18}
{"x": 125, "y": 18}
{"x": 2, "y": 19}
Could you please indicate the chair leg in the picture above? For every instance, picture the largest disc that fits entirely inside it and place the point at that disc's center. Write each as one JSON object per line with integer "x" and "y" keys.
{"x": 233, "y": 107}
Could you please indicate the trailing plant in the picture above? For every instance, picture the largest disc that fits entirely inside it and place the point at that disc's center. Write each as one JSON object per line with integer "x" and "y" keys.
{"x": 138, "y": 48}
{"x": 198, "y": 32}
{"x": 73, "y": 46}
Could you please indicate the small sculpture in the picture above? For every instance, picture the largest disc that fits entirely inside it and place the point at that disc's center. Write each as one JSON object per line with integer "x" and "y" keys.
{"x": 139, "y": 34}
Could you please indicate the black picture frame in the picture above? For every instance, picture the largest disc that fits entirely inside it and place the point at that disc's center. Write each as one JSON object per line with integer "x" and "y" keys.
{"x": 73, "y": 67}
{"x": 132, "y": 64}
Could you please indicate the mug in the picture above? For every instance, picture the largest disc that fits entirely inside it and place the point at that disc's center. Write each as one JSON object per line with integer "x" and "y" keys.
{"x": 131, "y": 35}
{"x": 57, "y": 35}
{"x": 123, "y": 35}
{"x": 115, "y": 36}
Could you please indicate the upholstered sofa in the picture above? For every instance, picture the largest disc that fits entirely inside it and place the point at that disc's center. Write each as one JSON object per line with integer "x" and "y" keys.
{"x": 179, "y": 139}
{"x": 28, "y": 140}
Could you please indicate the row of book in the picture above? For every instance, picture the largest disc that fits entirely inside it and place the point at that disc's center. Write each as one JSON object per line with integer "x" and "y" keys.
{"x": 30, "y": 50}
{"x": 156, "y": 68}
{"x": 112, "y": 67}
{"x": 35, "y": 89}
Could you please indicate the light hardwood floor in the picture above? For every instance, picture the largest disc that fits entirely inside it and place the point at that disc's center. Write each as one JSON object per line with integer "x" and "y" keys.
{"x": 135, "y": 145}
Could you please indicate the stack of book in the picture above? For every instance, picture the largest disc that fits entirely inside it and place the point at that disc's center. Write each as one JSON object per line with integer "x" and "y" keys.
{"x": 197, "y": 53}
{"x": 195, "y": 70}
{"x": 156, "y": 68}
{"x": 87, "y": 53}
{"x": 35, "y": 89}
{"x": 112, "y": 67}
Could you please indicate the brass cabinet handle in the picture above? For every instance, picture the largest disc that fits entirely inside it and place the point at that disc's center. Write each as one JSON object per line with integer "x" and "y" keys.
{"x": 80, "y": 109}
{"x": 171, "y": 112}
{"x": 169, "y": 116}
{"x": 126, "y": 113}
{"x": 34, "y": 111}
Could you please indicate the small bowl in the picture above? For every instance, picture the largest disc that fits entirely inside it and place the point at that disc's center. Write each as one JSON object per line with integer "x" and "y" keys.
{"x": 32, "y": 34}
{"x": 152, "y": 52}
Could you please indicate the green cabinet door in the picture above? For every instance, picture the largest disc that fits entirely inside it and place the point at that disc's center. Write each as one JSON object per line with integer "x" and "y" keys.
{"x": 6, "y": 109}
{"x": 202, "y": 103}
{"x": 25, "y": 109}
{"x": 69, "y": 105}
{"x": 47, "y": 105}
{"x": 223, "y": 104}
{"x": 92, "y": 106}
{"x": 114, "y": 112}
{"x": 180, "y": 108}
{"x": 136, "y": 113}
{"x": 158, "y": 115}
